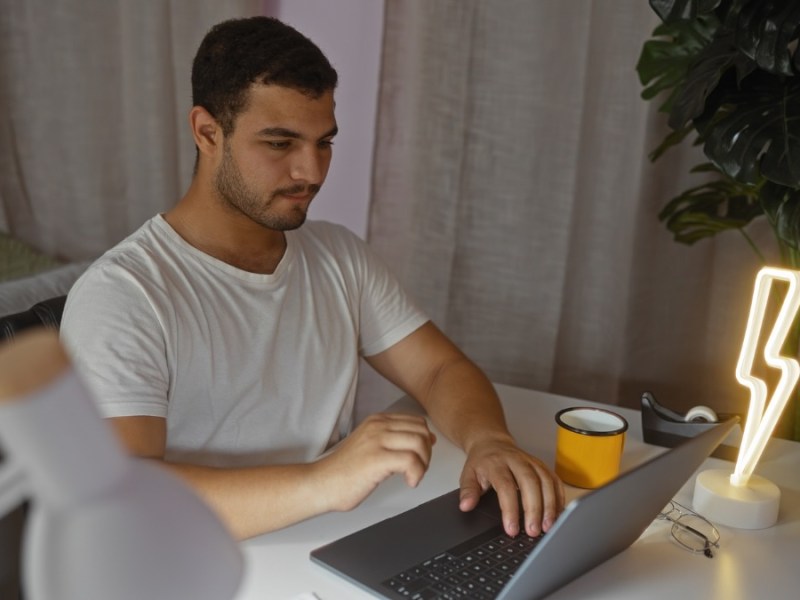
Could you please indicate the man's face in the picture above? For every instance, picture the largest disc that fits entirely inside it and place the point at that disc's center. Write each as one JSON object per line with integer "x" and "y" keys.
{"x": 277, "y": 157}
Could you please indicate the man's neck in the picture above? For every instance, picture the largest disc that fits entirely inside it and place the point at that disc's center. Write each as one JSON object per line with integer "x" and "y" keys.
{"x": 227, "y": 236}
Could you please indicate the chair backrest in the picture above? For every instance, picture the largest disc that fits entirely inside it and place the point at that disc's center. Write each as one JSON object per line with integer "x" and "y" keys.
{"x": 47, "y": 313}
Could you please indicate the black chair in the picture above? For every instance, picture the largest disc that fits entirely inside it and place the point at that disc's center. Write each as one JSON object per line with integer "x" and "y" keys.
{"x": 47, "y": 313}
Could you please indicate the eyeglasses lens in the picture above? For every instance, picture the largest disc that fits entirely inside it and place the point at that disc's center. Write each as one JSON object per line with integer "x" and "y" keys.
{"x": 695, "y": 533}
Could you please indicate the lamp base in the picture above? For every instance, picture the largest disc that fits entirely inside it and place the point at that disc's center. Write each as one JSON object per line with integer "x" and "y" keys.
{"x": 753, "y": 506}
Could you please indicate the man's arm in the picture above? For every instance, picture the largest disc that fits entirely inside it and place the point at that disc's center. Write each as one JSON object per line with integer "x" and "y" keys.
{"x": 464, "y": 405}
{"x": 255, "y": 500}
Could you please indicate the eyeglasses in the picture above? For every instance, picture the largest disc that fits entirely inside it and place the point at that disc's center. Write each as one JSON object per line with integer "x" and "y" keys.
{"x": 692, "y": 531}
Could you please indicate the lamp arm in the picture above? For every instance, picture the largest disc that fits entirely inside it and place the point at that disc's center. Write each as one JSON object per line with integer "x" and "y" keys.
{"x": 101, "y": 525}
{"x": 13, "y": 486}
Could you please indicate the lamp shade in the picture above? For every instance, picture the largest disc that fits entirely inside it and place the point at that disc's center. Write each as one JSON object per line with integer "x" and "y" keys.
{"x": 104, "y": 525}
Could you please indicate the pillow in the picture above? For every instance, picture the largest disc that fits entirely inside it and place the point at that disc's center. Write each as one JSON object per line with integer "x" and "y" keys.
{"x": 21, "y": 294}
{"x": 17, "y": 259}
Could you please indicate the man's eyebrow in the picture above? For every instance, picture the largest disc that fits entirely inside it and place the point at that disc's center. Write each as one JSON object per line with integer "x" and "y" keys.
{"x": 278, "y": 132}
{"x": 331, "y": 133}
{"x": 290, "y": 133}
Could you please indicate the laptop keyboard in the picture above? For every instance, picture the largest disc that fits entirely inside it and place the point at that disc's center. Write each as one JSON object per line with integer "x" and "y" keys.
{"x": 476, "y": 569}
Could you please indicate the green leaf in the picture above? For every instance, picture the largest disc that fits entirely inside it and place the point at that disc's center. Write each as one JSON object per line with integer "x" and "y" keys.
{"x": 705, "y": 168}
{"x": 767, "y": 32}
{"x": 782, "y": 207}
{"x": 703, "y": 77}
{"x": 676, "y": 10}
{"x": 672, "y": 139}
{"x": 760, "y": 133}
{"x": 708, "y": 209}
{"x": 665, "y": 60}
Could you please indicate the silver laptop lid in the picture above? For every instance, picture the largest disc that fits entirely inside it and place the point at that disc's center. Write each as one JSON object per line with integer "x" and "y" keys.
{"x": 604, "y": 522}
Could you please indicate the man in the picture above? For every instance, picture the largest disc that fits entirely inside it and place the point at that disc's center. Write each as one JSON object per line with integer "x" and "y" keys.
{"x": 223, "y": 338}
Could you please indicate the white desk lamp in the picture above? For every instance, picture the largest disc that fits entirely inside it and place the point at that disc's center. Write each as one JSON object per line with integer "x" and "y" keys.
{"x": 742, "y": 499}
{"x": 102, "y": 525}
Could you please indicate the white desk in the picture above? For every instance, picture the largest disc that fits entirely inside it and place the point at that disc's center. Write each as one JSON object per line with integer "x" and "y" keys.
{"x": 750, "y": 565}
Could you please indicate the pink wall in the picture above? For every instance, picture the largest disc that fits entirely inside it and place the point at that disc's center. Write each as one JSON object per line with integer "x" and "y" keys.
{"x": 350, "y": 33}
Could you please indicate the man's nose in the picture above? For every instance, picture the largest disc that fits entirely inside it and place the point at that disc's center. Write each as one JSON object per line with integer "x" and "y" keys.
{"x": 310, "y": 166}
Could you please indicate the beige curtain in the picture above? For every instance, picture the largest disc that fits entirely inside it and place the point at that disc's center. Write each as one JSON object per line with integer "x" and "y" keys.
{"x": 93, "y": 102}
{"x": 513, "y": 195}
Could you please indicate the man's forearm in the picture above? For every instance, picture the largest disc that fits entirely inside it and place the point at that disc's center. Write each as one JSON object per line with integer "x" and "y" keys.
{"x": 464, "y": 405}
{"x": 455, "y": 393}
{"x": 255, "y": 500}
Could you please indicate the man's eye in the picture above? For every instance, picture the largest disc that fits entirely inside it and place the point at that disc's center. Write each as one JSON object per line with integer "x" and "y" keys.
{"x": 326, "y": 144}
{"x": 282, "y": 145}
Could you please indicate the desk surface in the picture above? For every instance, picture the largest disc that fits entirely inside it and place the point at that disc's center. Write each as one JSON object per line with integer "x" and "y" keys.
{"x": 749, "y": 564}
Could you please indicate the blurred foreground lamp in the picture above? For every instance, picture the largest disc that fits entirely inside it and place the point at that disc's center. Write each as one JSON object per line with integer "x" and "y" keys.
{"x": 742, "y": 499}
{"x": 101, "y": 524}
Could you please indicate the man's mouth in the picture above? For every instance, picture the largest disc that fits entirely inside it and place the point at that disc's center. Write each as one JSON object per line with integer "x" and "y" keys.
{"x": 304, "y": 194}
{"x": 297, "y": 196}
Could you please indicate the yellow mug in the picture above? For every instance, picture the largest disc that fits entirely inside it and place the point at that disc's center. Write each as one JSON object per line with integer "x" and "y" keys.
{"x": 589, "y": 444}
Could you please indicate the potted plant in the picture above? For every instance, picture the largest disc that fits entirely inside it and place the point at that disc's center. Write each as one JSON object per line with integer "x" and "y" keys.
{"x": 727, "y": 74}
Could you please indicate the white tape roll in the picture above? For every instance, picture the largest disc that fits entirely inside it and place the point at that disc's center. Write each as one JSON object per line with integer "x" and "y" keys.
{"x": 701, "y": 413}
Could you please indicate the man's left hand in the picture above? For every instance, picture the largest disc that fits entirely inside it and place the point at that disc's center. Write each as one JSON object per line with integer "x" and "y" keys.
{"x": 516, "y": 477}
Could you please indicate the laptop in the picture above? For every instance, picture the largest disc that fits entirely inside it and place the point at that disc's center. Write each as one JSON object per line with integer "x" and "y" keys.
{"x": 418, "y": 553}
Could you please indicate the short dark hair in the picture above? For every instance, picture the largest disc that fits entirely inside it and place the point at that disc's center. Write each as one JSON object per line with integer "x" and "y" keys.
{"x": 237, "y": 53}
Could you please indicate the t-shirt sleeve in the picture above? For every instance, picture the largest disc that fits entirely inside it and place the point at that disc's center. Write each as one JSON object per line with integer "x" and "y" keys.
{"x": 116, "y": 341}
{"x": 388, "y": 313}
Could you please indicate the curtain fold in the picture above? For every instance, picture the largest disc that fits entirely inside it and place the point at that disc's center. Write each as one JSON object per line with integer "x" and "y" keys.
{"x": 513, "y": 195}
{"x": 94, "y": 96}
{"x": 512, "y": 191}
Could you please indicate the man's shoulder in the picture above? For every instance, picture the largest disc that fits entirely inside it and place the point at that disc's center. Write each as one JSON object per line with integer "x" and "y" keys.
{"x": 137, "y": 253}
{"x": 331, "y": 237}
{"x": 326, "y": 229}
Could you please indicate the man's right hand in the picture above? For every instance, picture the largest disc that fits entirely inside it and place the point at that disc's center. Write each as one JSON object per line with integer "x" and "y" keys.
{"x": 255, "y": 500}
{"x": 382, "y": 445}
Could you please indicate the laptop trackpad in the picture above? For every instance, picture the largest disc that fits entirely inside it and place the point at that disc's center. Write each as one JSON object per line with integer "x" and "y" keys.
{"x": 384, "y": 549}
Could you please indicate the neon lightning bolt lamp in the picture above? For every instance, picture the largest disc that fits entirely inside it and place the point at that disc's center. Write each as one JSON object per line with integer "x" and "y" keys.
{"x": 742, "y": 499}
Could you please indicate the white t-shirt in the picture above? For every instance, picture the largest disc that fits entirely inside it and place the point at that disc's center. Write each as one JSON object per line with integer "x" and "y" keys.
{"x": 246, "y": 368}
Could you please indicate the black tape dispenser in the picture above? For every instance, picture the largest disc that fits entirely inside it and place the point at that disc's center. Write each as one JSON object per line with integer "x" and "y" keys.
{"x": 664, "y": 427}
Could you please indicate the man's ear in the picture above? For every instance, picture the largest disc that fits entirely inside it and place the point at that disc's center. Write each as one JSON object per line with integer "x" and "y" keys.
{"x": 206, "y": 131}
